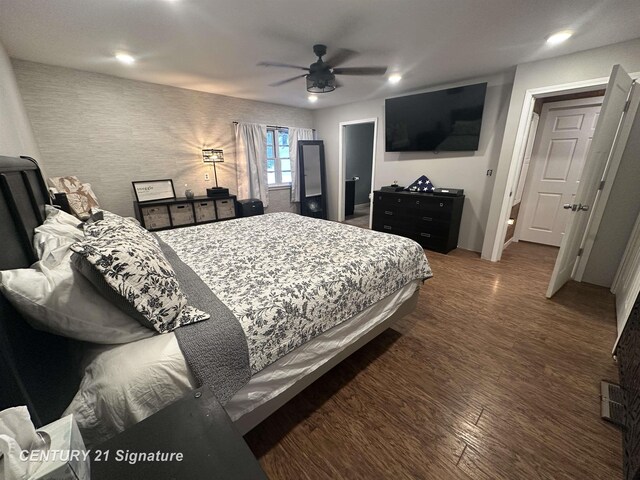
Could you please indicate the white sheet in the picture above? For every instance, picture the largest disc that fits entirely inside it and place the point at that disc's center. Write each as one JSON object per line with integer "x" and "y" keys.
{"x": 124, "y": 384}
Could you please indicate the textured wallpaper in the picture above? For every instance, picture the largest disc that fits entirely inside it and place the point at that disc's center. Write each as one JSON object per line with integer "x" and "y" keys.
{"x": 110, "y": 131}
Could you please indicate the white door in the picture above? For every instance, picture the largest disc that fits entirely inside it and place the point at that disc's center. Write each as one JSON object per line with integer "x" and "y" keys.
{"x": 562, "y": 142}
{"x": 603, "y": 141}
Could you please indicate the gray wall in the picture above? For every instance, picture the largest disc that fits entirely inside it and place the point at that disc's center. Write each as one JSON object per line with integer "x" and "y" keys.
{"x": 109, "y": 131}
{"x": 16, "y": 136}
{"x": 358, "y": 154}
{"x": 446, "y": 169}
{"x": 576, "y": 67}
{"x": 619, "y": 216}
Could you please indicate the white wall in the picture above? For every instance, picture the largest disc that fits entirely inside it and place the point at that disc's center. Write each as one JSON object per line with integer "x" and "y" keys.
{"x": 451, "y": 169}
{"x": 16, "y": 136}
{"x": 110, "y": 131}
{"x": 589, "y": 64}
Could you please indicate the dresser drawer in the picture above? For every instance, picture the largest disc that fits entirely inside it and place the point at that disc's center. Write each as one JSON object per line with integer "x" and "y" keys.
{"x": 380, "y": 220}
{"x": 205, "y": 211}
{"x": 427, "y": 224}
{"x": 382, "y": 225}
{"x": 155, "y": 218}
{"x": 181, "y": 214}
{"x": 226, "y": 208}
{"x": 435, "y": 207}
{"x": 431, "y": 241}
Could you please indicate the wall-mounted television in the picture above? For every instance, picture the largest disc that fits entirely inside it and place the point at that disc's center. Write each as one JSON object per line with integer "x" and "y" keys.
{"x": 442, "y": 121}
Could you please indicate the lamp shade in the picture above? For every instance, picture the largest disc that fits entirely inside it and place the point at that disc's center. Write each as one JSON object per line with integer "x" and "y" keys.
{"x": 212, "y": 155}
{"x": 321, "y": 85}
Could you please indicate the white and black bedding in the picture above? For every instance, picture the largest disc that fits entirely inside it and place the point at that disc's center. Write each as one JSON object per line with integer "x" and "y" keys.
{"x": 270, "y": 285}
{"x": 288, "y": 278}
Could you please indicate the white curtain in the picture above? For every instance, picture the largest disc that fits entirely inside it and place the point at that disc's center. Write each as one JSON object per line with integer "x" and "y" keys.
{"x": 251, "y": 159}
{"x": 296, "y": 134}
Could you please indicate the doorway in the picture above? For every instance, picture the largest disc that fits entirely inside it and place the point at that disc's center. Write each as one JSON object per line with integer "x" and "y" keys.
{"x": 356, "y": 171}
{"x": 560, "y": 135}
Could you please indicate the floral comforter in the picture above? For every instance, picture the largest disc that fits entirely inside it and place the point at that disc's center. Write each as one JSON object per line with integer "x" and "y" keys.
{"x": 288, "y": 278}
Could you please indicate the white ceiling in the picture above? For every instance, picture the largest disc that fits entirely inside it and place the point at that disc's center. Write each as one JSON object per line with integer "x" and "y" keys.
{"x": 214, "y": 45}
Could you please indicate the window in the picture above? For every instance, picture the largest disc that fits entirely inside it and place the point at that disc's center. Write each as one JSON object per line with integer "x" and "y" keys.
{"x": 278, "y": 160}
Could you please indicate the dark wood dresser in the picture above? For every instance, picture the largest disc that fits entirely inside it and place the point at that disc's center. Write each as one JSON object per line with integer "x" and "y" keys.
{"x": 628, "y": 354}
{"x": 430, "y": 219}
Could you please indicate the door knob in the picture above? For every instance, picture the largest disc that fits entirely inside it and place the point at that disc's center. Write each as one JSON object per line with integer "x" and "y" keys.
{"x": 569, "y": 206}
{"x": 584, "y": 208}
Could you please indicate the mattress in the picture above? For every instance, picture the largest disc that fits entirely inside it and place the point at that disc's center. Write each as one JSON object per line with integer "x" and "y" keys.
{"x": 124, "y": 384}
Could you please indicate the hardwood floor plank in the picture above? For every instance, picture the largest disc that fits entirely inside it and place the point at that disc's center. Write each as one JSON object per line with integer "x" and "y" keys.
{"x": 487, "y": 379}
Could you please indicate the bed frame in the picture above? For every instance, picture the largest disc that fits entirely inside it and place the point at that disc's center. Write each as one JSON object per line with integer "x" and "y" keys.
{"x": 37, "y": 369}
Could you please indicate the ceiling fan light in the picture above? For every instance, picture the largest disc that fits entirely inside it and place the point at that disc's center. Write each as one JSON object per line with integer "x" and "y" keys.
{"x": 323, "y": 85}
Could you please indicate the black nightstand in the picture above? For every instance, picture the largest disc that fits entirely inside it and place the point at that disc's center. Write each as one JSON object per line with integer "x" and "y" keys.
{"x": 197, "y": 427}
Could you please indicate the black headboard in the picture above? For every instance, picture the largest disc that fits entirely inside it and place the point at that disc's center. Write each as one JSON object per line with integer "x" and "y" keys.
{"x": 36, "y": 368}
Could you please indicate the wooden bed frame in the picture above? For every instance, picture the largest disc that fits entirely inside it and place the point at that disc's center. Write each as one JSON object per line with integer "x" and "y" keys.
{"x": 39, "y": 369}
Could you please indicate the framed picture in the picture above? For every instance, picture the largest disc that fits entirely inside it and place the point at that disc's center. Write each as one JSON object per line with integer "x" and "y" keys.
{"x": 149, "y": 190}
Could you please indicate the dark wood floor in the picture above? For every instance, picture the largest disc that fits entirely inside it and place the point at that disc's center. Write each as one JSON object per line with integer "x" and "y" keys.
{"x": 487, "y": 379}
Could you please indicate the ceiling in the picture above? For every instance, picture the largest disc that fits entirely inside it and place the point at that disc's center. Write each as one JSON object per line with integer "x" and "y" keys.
{"x": 215, "y": 45}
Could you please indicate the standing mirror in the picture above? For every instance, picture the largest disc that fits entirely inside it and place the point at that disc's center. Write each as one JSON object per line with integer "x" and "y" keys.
{"x": 313, "y": 183}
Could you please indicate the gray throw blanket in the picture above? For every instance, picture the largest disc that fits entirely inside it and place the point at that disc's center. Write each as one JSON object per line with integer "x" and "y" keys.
{"x": 216, "y": 349}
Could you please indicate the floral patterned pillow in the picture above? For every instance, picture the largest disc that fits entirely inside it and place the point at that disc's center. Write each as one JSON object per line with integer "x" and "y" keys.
{"x": 134, "y": 274}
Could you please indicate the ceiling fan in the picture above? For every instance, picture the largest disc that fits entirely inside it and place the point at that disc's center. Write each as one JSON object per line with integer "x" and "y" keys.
{"x": 321, "y": 76}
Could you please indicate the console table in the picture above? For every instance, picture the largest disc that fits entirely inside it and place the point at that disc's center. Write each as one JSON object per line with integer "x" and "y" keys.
{"x": 183, "y": 212}
{"x": 430, "y": 219}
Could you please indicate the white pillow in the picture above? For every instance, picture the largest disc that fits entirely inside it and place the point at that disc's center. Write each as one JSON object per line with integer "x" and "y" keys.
{"x": 52, "y": 239}
{"x": 55, "y": 298}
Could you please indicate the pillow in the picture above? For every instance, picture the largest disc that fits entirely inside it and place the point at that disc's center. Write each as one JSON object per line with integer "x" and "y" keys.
{"x": 57, "y": 299}
{"x": 53, "y": 238}
{"x": 103, "y": 223}
{"x": 80, "y": 195}
{"x": 131, "y": 269}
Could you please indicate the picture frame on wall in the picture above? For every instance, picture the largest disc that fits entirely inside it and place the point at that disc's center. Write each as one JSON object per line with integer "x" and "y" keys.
{"x": 153, "y": 190}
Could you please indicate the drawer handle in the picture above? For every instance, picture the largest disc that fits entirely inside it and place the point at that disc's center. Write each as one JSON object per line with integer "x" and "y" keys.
{"x": 204, "y": 204}
{"x": 441, "y": 204}
{"x": 399, "y": 200}
{"x": 428, "y": 235}
{"x": 417, "y": 202}
{"x": 427, "y": 219}
{"x": 387, "y": 227}
{"x": 387, "y": 212}
{"x": 180, "y": 206}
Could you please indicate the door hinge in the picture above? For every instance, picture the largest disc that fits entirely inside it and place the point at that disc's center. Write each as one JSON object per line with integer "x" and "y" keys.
{"x": 602, "y": 182}
{"x": 626, "y": 106}
{"x": 580, "y": 251}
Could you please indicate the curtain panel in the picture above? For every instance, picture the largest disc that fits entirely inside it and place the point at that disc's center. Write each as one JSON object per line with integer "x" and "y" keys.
{"x": 251, "y": 159}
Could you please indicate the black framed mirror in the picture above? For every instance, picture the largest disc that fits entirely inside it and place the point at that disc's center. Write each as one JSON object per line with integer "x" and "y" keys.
{"x": 312, "y": 178}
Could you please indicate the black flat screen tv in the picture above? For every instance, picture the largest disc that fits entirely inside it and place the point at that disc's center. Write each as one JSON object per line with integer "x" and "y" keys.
{"x": 442, "y": 121}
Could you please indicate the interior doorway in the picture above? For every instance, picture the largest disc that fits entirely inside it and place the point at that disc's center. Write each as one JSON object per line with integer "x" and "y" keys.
{"x": 356, "y": 171}
{"x": 560, "y": 135}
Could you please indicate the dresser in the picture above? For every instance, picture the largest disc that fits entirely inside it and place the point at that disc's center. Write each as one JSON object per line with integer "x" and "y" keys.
{"x": 183, "y": 212}
{"x": 430, "y": 219}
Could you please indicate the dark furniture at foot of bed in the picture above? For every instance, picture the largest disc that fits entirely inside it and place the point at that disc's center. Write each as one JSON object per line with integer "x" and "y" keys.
{"x": 37, "y": 369}
{"x": 628, "y": 354}
{"x": 196, "y": 427}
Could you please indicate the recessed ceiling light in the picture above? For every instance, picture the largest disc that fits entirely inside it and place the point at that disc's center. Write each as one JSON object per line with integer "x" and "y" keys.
{"x": 313, "y": 98}
{"x": 125, "y": 58}
{"x": 395, "y": 78}
{"x": 559, "y": 37}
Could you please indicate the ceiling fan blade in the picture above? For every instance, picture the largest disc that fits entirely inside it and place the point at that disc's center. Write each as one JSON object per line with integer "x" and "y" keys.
{"x": 285, "y": 65}
{"x": 340, "y": 56}
{"x": 360, "y": 71}
{"x": 282, "y": 82}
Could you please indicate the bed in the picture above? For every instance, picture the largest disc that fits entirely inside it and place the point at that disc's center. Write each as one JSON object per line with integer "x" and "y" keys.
{"x": 305, "y": 293}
